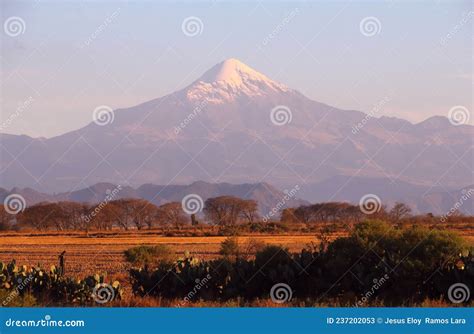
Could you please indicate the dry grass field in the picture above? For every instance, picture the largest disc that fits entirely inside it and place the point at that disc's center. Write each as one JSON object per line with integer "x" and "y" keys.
{"x": 103, "y": 252}
{"x": 87, "y": 255}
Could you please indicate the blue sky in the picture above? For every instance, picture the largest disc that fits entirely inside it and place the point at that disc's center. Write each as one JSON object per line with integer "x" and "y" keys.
{"x": 74, "y": 56}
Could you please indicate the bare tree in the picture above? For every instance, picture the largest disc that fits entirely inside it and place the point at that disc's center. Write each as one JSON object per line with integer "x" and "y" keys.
{"x": 249, "y": 210}
{"x": 399, "y": 212}
{"x": 226, "y": 210}
{"x": 171, "y": 214}
{"x": 38, "y": 216}
{"x": 5, "y": 219}
{"x": 137, "y": 212}
{"x": 72, "y": 214}
{"x": 143, "y": 213}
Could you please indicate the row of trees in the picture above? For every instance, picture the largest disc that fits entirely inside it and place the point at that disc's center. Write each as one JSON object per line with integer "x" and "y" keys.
{"x": 227, "y": 212}
{"x": 341, "y": 212}
{"x": 128, "y": 213}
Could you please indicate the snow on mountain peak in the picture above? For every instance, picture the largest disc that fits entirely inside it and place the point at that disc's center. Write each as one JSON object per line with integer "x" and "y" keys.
{"x": 233, "y": 72}
{"x": 230, "y": 79}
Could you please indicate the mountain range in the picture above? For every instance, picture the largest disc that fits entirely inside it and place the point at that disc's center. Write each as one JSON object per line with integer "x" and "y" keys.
{"x": 421, "y": 199}
{"x": 235, "y": 125}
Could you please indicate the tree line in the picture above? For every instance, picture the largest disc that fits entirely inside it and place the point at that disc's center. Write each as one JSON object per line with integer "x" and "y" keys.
{"x": 227, "y": 212}
{"x": 126, "y": 214}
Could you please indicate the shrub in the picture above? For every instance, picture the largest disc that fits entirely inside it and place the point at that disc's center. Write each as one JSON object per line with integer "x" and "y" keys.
{"x": 149, "y": 255}
{"x": 406, "y": 267}
{"x": 230, "y": 248}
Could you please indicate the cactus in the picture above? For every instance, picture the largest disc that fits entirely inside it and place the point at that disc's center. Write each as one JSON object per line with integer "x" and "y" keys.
{"x": 52, "y": 285}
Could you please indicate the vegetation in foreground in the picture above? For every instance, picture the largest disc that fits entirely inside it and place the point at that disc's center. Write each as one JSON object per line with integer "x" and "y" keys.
{"x": 376, "y": 264}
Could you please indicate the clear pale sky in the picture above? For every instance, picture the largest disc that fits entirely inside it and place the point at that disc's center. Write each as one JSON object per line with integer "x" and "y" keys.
{"x": 74, "y": 56}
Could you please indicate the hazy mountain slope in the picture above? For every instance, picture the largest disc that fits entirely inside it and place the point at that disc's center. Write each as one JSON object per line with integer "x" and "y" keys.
{"x": 422, "y": 199}
{"x": 218, "y": 129}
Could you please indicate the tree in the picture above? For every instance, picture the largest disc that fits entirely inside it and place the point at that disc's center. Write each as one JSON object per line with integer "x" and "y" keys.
{"x": 101, "y": 216}
{"x": 399, "y": 212}
{"x": 37, "y": 215}
{"x": 304, "y": 213}
{"x": 5, "y": 219}
{"x": 132, "y": 212}
{"x": 143, "y": 213}
{"x": 171, "y": 214}
{"x": 72, "y": 214}
{"x": 226, "y": 210}
{"x": 324, "y": 212}
{"x": 288, "y": 216}
{"x": 249, "y": 210}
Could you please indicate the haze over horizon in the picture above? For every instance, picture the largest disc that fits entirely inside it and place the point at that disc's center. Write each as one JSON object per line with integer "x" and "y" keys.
{"x": 124, "y": 55}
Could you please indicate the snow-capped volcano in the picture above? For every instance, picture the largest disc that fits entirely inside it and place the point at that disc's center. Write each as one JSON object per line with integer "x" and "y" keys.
{"x": 230, "y": 79}
{"x": 221, "y": 128}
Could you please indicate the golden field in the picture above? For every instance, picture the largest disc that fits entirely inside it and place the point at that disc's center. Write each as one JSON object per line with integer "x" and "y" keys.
{"x": 103, "y": 251}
